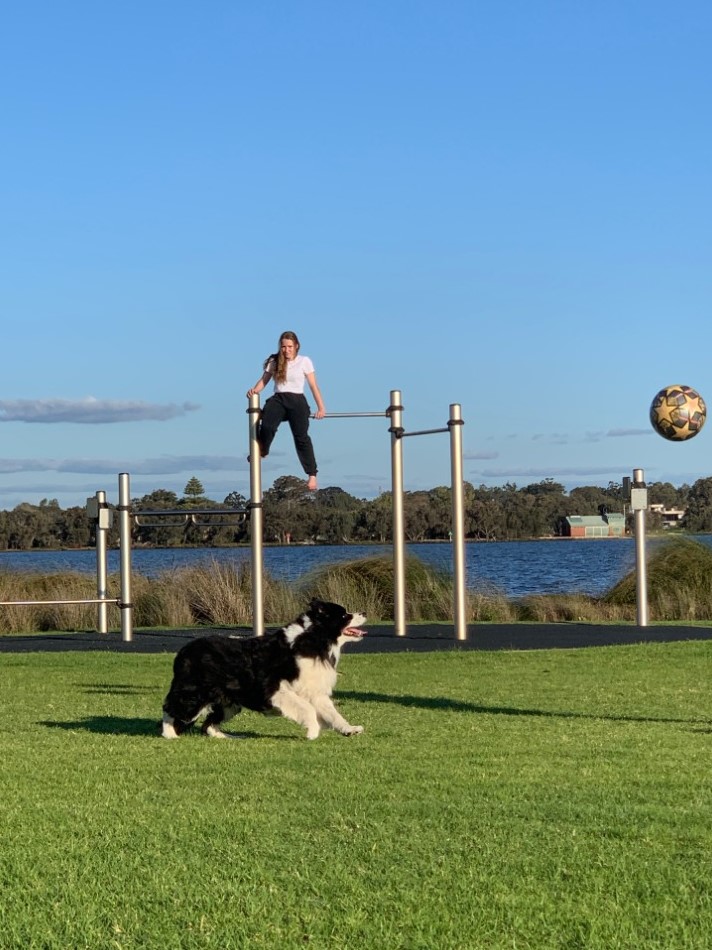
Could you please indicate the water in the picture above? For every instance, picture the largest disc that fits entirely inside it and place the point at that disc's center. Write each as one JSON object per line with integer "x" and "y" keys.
{"x": 516, "y": 568}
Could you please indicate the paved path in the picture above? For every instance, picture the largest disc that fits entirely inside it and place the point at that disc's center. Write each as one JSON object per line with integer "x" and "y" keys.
{"x": 381, "y": 639}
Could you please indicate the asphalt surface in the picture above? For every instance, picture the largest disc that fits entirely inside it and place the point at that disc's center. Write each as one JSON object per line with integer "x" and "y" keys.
{"x": 421, "y": 638}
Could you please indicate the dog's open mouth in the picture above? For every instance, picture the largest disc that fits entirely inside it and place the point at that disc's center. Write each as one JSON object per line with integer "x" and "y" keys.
{"x": 353, "y": 632}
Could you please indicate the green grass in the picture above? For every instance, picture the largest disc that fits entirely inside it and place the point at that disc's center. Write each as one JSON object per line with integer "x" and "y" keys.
{"x": 539, "y": 799}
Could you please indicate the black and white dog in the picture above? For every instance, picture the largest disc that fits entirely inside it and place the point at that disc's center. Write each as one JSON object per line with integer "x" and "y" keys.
{"x": 292, "y": 671}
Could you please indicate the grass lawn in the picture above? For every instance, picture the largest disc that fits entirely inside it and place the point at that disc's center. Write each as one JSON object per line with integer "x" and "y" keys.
{"x": 533, "y": 800}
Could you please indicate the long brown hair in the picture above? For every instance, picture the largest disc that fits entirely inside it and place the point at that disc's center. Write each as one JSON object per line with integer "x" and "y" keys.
{"x": 280, "y": 362}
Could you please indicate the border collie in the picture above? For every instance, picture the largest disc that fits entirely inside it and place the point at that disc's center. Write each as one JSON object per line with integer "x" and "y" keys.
{"x": 291, "y": 671}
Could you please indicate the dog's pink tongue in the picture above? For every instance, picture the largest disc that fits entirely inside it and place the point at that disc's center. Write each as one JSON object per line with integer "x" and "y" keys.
{"x": 354, "y": 632}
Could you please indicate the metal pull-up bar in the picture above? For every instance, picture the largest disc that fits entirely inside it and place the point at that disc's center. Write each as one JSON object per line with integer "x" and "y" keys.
{"x": 405, "y": 435}
{"x": 398, "y": 433}
{"x": 349, "y": 415}
{"x": 395, "y": 414}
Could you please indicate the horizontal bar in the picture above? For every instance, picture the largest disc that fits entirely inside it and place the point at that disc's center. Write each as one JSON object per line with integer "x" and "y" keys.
{"x": 187, "y": 512}
{"x": 160, "y": 524}
{"x": 350, "y": 415}
{"x": 189, "y": 517}
{"x": 423, "y": 432}
{"x": 212, "y": 524}
{"x": 37, "y": 603}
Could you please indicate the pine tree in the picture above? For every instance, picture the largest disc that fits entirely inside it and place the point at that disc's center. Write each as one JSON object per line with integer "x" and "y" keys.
{"x": 194, "y": 488}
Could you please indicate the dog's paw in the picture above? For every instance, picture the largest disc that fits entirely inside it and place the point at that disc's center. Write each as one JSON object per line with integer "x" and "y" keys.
{"x": 167, "y": 730}
{"x": 313, "y": 733}
{"x": 352, "y": 730}
{"x": 214, "y": 733}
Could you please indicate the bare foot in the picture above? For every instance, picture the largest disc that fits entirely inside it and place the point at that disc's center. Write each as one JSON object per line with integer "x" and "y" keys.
{"x": 311, "y": 483}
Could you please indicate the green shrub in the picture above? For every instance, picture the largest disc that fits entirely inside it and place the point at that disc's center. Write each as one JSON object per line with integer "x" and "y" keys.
{"x": 679, "y": 585}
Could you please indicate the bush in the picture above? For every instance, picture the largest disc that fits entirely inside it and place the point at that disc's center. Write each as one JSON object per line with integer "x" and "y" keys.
{"x": 679, "y": 582}
{"x": 366, "y": 585}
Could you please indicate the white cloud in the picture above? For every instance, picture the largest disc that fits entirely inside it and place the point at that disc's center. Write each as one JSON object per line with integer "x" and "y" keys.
{"x": 89, "y": 410}
{"x": 618, "y": 433}
{"x": 164, "y": 465}
{"x": 480, "y": 456}
{"x": 548, "y": 472}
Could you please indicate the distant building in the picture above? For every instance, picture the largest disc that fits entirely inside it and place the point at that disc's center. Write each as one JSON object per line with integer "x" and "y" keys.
{"x": 670, "y": 517}
{"x": 593, "y": 526}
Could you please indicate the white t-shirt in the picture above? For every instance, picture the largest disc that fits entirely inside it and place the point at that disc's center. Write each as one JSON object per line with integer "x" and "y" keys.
{"x": 297, "y": 370}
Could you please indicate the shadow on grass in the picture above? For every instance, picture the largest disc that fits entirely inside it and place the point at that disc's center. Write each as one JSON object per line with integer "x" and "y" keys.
{"x": 109, "y": 726}
{"x": 123, "y": 726}
{"x": 115, "y": 689}
{"x": 442, "y": 703}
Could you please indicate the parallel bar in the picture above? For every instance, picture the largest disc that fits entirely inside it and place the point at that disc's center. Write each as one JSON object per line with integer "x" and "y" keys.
{"x": 396, "y": 428}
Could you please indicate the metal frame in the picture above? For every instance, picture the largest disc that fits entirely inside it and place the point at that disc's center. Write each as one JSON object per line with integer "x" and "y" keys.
{"x": 254, "y": 510}
{"x": 255, "y": 504}
{"x": 398, "y": 433}
{"x": 127, "y": 515}
{"x": 97, "y": 509}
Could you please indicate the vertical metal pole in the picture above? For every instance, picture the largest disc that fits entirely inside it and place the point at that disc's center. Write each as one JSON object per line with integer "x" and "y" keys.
{"x": 455, "y": 425}
{"x": 396, "y": 429}
{"x": 124, "y": 509}
{"x": 101, "y": 530}
{"x": 256, "y": 519}
{"x": 641, "y": 574}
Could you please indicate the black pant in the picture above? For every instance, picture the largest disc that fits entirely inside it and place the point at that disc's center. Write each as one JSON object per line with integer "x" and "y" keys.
{"x": 294, "y": 408}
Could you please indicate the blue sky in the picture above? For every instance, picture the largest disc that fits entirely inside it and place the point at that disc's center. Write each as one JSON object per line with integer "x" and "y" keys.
{"x": 501, "y": 204}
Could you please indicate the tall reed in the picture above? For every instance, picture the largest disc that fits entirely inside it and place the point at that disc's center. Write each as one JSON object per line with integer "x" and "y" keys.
{"x": 39, "y": 587}
{"x": 216, "y": 594}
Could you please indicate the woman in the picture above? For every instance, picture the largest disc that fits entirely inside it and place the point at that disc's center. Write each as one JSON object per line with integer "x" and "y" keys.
{"x": 289, "y": 371}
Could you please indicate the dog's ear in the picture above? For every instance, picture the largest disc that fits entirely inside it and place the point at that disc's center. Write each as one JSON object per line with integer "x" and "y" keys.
{"x": 316, "y": 606}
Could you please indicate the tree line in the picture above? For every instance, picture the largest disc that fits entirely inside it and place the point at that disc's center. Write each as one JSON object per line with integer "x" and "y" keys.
{"x": 292, "y": 514}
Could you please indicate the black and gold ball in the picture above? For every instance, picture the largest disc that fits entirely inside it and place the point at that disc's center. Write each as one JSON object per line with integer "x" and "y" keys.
{"x": 678, "y": 413}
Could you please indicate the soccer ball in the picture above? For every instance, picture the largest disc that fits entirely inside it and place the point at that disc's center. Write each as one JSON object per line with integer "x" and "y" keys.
{"x": 678, "y": 413}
